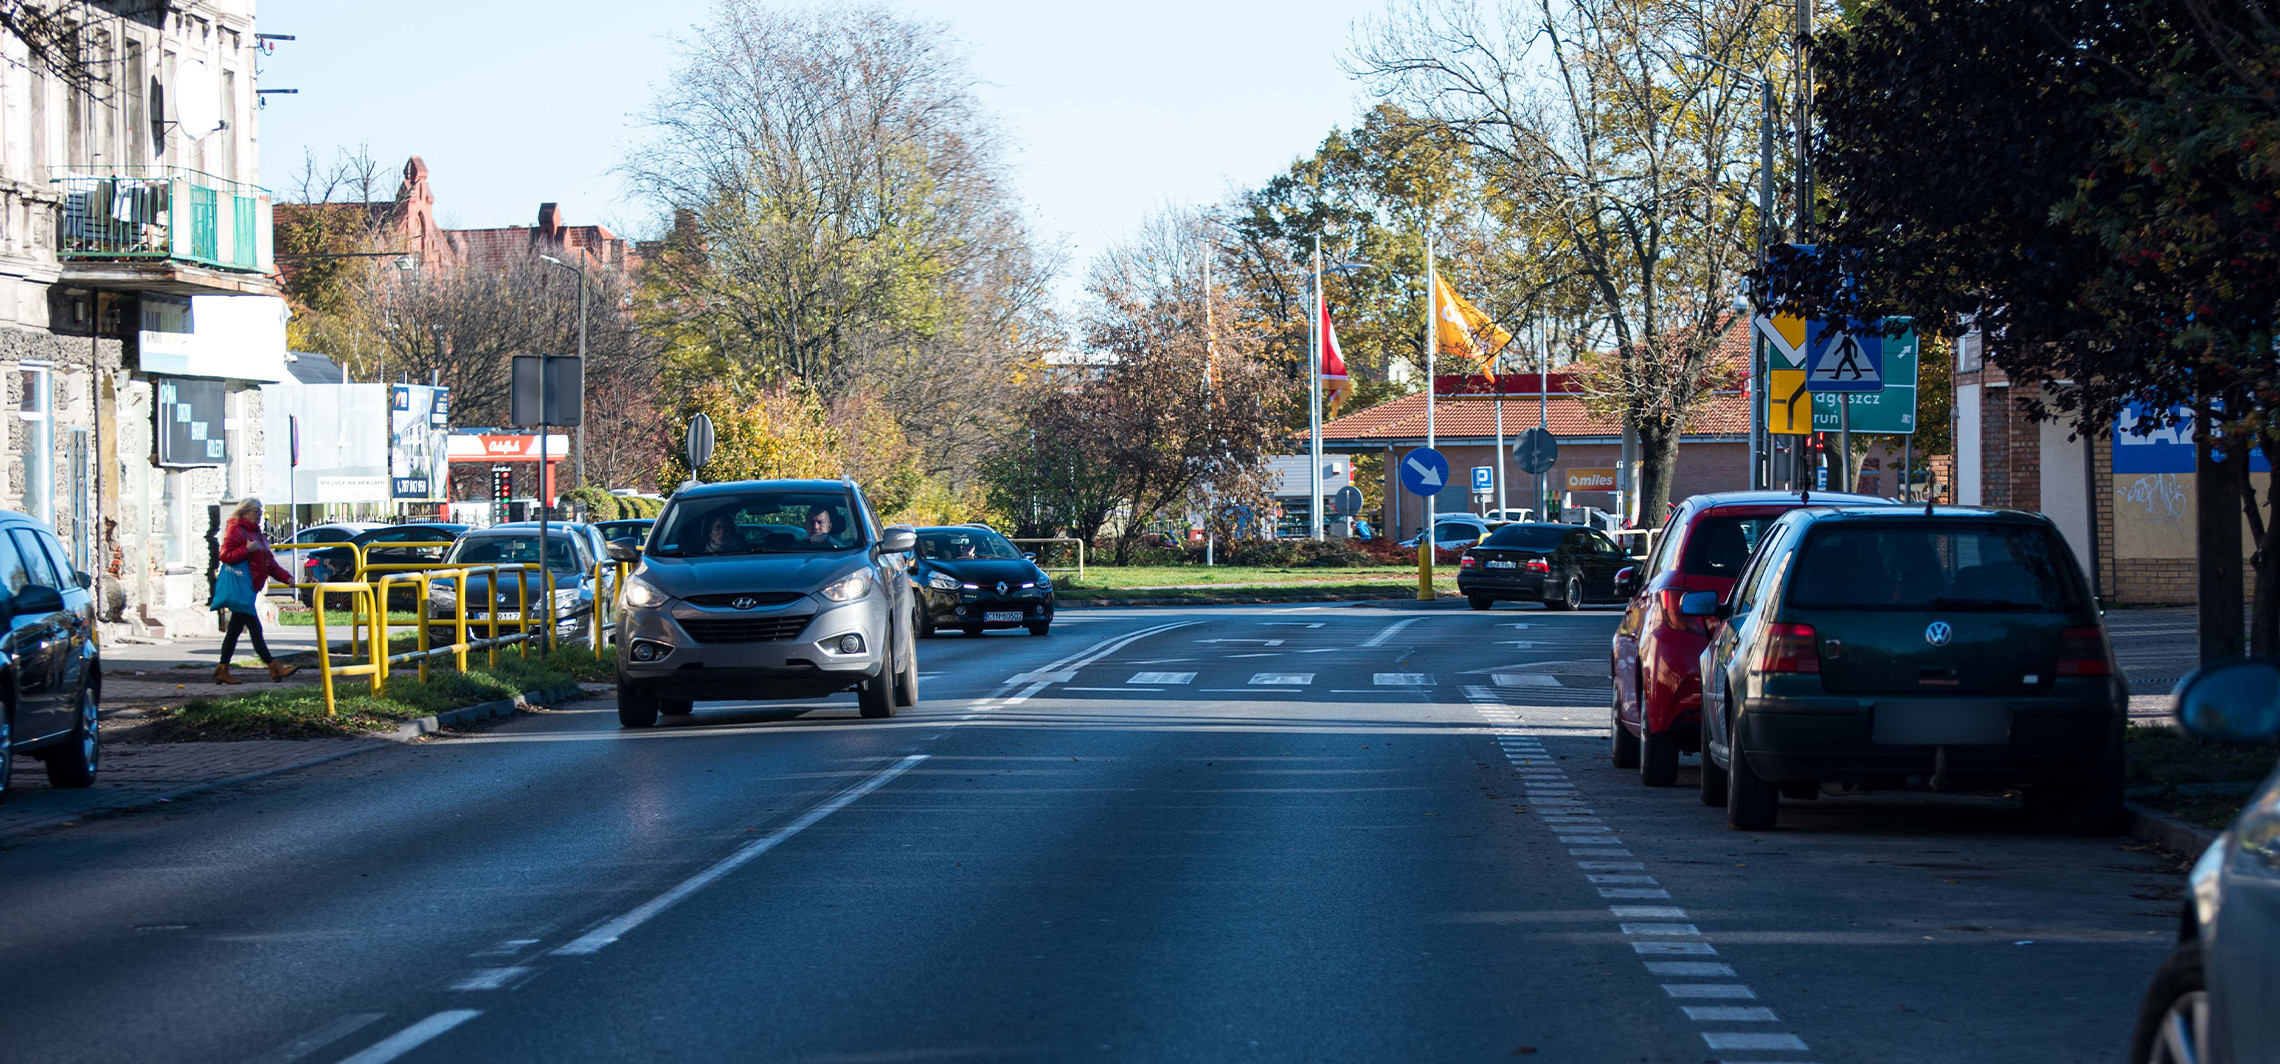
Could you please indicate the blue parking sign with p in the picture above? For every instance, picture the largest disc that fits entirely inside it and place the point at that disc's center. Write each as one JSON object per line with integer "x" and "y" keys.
{"x": 1484, "y": 479}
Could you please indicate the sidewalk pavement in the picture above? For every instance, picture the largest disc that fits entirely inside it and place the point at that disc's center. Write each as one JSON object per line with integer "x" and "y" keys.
{"x": 137, "y": 774}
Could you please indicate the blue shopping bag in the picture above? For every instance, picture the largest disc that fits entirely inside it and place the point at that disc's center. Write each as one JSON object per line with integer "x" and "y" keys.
{"x": 233, "y": 588}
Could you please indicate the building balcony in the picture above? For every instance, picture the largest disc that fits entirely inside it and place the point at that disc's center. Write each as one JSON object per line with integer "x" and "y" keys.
{"x": 165, "y": 229}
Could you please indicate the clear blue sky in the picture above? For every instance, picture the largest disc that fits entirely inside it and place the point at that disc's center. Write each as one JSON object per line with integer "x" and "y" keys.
{"x": 1114, "y": 110}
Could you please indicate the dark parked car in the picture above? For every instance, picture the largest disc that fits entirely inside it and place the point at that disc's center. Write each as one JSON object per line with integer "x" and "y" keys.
{"x": 972, "y": 579}
{"x": 1562, "y": 566}
{"x": 632, "y": 530}
{"x": 569, "y": 564}
{"x": 1889, "y": 647}
{"x": 338, "y": 564}
{"x": 2211, "y": 1000}
{"x": 1656, "y": 667}
{"x": 51, "y": 694}
{"x": 766, "y": 589}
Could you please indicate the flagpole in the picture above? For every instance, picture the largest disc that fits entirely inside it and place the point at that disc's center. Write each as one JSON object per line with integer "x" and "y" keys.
{"x": 1499, "y": 435}
{"x": 1432, "y": 344}
{"x": 1314, "y": 400}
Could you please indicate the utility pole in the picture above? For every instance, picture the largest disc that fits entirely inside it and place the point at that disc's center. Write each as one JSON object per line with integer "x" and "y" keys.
{"x": 1314, "y": 401}
{"x": 1432, "y": 346}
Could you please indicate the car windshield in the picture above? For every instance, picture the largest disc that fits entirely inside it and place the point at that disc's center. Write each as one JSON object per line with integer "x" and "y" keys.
{"x": 965, "y": 544}
{"x": 758, "y": 522}
{"x": 1527, "y": 537}
{"x": 514, "y": 550}
{"x": 1956, "y": 568}
{"x": 1721, "y": 544}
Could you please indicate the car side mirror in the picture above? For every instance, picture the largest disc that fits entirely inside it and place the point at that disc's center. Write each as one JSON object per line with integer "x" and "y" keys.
{"x": 624, "y": 551}
{"x": 1701, "y": 604}
{"x": 1623, "y": 578}
{"x": 2234, "y": 701}
{"x": 86, "y": 581}
{"x": 1028, "y": 555}
{"x": 38, "y": 599}
{"x": 898, "y": 539}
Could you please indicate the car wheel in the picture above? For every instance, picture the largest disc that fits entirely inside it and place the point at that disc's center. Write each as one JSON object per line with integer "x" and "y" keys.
{"x": 1713, "y": 777}
{"x": 637, "y": 706}
{"x": 1479, "y": 602}
{"x": 7, "y": 759}
{"x": 875, "y": 696}
{"x": 1658, "y": 755}
{"x": 75, "y": 764}
{"x": 1624, "y": 745}
{"x": 1040, "y": 627}
{"x": 1571, "y": 596}
{"x": 676, "y": 707}
{"x": 1752, "y": 804}
{"x": 2173, "y": 1017}
{"x": 906, "y": 679}
{"x": 920, "y": 625}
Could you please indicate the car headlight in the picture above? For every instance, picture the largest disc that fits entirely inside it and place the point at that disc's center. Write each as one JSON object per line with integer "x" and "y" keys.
{"x": 642, "y": 593}
{"x": 1044, "y": 580}
{"x": 941, "y": 582}
{"x": 855, "y": 586}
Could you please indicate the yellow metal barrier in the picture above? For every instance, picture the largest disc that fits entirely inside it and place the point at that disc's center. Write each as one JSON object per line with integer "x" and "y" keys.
{"x": 369, "y": 624}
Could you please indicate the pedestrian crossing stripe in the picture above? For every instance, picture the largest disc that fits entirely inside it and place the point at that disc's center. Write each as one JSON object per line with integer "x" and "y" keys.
{"x": 1401, "y": 679}
{"x": 1167, "y": 679}
{"x": 1525, "y": 679}
{"x": 1282, "y": 679}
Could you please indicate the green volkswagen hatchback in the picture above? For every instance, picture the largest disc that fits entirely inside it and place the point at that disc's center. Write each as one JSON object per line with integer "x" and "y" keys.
{"x": 1889, "y": 647}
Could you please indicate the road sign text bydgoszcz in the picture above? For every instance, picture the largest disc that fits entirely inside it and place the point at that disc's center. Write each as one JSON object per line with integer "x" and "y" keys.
{"x": 1424, "y": 471}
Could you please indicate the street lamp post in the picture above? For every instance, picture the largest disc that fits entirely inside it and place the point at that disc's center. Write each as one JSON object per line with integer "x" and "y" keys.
{"x": 1316, "y": 343}
{"x": 1760, "y": 445}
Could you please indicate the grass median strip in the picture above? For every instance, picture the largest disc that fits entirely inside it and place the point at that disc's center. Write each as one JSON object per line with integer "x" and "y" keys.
{"x": 298, "y": 711}
{"x": 2199, "y": 782}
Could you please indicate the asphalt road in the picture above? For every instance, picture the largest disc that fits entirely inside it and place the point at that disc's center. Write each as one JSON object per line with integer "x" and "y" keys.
{"x": 1274, "y": 833}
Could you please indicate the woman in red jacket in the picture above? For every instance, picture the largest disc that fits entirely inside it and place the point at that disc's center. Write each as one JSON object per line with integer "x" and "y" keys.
{"x": 242, "y": 541}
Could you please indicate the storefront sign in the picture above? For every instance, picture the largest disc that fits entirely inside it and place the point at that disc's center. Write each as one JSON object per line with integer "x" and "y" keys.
{"x": 190, "y": 422}
{"x": 233, "y": 337}
{"x": 1591, "y": 479}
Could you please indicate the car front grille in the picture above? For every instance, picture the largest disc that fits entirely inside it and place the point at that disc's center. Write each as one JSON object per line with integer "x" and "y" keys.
{"x": 745, "y": 600}
{"x": 744, "y": 629}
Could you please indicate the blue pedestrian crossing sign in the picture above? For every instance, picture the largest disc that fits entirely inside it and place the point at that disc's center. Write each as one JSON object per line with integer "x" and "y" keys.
{"x": 1424, "y": 471}
{"x": 1484, "y": 479}
{"x": 1843, "y": 359}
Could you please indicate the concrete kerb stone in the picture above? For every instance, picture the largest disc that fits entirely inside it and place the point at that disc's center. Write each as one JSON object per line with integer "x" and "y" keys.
{"x": 504, "y": 707}
{"x": 2168, "y": 832}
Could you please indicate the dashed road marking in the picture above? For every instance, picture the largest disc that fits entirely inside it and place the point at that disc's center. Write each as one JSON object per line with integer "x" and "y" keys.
{"x": 1711, "y": 991}
{"x": 1282, "y": 679}
{"x": 1752, "y": 1040}
{"x": 1389, "y": 631}
{"x": 492, "y": 978}
{"x": 1729, "y": 1013}
{"x": 1525, "y": 679}
{"x": 1401, "y": 679}
{"x": 317, "y": 1039}
{"x": 1165, "y": 678}
{"x": 412, "y": 1037}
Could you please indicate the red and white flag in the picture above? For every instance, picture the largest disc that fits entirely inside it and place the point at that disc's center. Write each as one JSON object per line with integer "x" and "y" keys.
{"x": 1335, "y": 383}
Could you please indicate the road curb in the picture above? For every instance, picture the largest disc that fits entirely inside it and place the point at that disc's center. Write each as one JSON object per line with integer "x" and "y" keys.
{"x": 504, "y": 707}
{"x": 1234, "y": 600}
{"x": 2168, "y": 832}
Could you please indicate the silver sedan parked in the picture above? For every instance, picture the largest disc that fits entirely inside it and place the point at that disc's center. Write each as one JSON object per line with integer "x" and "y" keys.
{"x": 766, "y": 589}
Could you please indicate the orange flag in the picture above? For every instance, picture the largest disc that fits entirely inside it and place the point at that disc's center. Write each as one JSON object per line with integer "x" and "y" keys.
{"x": 1464, "y": 331}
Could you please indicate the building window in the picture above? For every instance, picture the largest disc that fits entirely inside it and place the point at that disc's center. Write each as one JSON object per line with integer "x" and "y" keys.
{"x": 37, "y": 411}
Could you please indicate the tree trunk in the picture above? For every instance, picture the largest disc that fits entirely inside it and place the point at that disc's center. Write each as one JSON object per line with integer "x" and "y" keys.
{"x": 2217, "y": 498}
{"x": 1658, "y": 464}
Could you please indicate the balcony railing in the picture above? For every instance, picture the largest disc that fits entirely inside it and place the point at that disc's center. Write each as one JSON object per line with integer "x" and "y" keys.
{"x": 165, "y": 212}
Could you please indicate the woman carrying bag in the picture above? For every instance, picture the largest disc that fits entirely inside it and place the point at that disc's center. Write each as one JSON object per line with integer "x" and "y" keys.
{"x": 247, "y": 566}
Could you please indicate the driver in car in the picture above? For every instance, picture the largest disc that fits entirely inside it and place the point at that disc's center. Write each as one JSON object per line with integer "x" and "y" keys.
{"x": 819, "y": 528}
{"x": 721, "y": 536}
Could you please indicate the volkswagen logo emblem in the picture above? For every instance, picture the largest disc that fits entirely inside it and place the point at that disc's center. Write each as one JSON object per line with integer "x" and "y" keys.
{"x": 744, "y": 602}
{"x": 1938, "y": 633}
{"x": 1002, "y": 587}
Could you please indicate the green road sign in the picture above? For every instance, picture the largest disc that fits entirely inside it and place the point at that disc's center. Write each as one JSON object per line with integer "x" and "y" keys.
{"x": 1890, "y": 412}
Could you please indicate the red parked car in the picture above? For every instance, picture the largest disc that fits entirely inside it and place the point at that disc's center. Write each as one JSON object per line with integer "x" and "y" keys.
{"x": 1656, "y": 667}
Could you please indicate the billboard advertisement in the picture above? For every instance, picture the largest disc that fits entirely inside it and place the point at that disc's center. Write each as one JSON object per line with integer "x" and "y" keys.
{"x": 419, "y": 423}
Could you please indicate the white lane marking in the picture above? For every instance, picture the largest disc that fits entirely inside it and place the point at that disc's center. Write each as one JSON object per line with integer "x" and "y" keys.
{"x": 317, "y": 1039}
{"x": 1282, "y": 679}
{"x": 1752, "y": 1040}
{"x": 1401, "y": 679}
{"x": 507, "y": 947}
{"x": 1389, "y": 632}
{"x": 1291, "y": 624}
{"x": 1632, "y": 892}
{"x": 1641, "y": 912}
{"x": 1115, "y": 690}
{"x": 1261, "y": 642}
{"x": 1599, "y": 851}
{"x": 1699, "y": 949}
{"x": 412, "y": 1037}
{"x": 1076, "y": 661}
{"x": 1729, "y": 1014}
{"x": 1042, "y": 676}
{"x": 1596, "y": 878}
{"x": 1162, "y": 677}
{"x": 1630, "y": 910}
{"x": 611, "y": 931}
{"x": 1710, "y": 991}
{"x": 1525, "y": 679}
{"x": 1662, "y": 929}
{"x": 1698, "y": 969}
{"x": 490, "y": 978}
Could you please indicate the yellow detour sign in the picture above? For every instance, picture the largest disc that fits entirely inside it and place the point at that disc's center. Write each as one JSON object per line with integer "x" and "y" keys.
{"x": 1784, "y": 340}
{"x": 1789, "y": 407}
{"x": 1593, "y": 479}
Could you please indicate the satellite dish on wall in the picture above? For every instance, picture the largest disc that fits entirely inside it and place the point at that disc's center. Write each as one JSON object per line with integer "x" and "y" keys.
{"x": 196, "y": 98}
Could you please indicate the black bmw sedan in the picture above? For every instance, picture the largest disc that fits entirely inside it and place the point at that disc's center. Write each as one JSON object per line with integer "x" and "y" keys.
{"x": 971, "y": 578}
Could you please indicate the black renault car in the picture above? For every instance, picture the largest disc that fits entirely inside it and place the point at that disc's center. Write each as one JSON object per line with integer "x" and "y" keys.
{"x": 1888, "y": 647}
{"x": 972, "y": 579}
{"x": 1562, "y": 566}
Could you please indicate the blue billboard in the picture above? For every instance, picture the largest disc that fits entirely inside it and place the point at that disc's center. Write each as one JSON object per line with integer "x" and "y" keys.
{"x": 2142, "y": 444}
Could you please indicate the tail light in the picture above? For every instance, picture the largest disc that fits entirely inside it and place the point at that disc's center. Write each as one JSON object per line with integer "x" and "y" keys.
{"x": 1467, "y": 562}
{"x": 1789, "y": 648}
{"x": 1536, "y": 565}
{"x": 1672, "y": 617}
{"x": 2082, "y": 652}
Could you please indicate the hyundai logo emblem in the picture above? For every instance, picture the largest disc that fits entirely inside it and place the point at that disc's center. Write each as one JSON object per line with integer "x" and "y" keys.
{"x": 744, "y": 602}
{"x": 1938, "y": 633}
{"x": 1002, "y": 587}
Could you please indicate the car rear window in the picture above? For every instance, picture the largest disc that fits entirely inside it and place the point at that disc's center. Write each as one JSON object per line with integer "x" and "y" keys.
{"x": 1527, "y": 537}
{"x": 1721, "y": 544}
{"x": 1926, "y": 566}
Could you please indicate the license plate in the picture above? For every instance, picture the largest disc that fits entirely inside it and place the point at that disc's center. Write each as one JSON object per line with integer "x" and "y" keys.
{"x": 510, "y": 615}
{"x": 998, "y": 616}
{"x": 1504, "y": 565}
{"x": 1941, "y": 723}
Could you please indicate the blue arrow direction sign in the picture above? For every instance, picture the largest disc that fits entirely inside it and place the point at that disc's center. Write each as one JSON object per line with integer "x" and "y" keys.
{"x": 1424, "y": 471}
{"x": 1843, "y": 360}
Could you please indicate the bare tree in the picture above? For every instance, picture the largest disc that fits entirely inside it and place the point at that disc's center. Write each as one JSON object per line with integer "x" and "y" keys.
{"x": 1637, "y": 176}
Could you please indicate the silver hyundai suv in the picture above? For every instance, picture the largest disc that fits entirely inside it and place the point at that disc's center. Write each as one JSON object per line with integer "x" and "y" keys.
{"x": 764, "y": 589}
